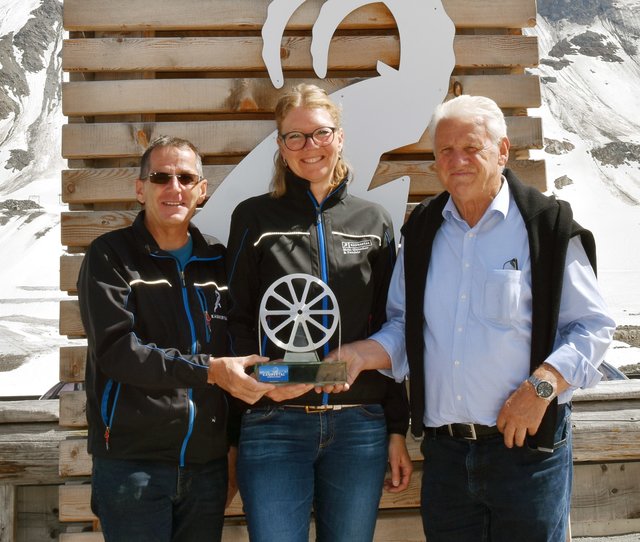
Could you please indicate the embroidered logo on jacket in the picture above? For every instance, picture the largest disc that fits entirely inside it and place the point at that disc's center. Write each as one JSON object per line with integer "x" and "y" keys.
{"x": 356, "y": 247}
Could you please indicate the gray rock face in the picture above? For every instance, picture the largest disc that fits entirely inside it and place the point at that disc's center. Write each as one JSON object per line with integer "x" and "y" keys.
{"x": 12, "y": 79}
{"x": 617, "y": 153}
{"x": 575, "y": 11}
{"x": 28, "y": 54}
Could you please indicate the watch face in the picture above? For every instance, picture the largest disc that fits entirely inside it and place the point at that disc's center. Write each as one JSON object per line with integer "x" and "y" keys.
{"x": 544, "y": 389}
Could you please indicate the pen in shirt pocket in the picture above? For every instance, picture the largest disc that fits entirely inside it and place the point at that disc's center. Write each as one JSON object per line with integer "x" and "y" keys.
{"x": 511, "y": 264}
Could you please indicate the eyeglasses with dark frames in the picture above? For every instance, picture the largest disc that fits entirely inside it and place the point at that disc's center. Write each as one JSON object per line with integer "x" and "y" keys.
{"x": 185, "y": 179}
{"x": 295, "y": 141}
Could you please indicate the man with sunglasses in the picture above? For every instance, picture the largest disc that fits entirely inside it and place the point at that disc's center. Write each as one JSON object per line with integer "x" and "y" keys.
{"x": 153, "y": 300}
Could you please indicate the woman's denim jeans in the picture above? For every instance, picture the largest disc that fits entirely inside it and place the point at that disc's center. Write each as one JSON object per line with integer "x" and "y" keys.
{"x": 147, "y": 501}
{"x": 290, "y": 461}
{"x": 483, "y": 491}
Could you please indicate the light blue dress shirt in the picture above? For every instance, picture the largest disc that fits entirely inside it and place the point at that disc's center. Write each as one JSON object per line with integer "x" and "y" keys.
{"x": 477, "y": 310}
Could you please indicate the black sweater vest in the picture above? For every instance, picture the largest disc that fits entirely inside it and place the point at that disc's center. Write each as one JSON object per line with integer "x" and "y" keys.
{"x": 550, "y": 225}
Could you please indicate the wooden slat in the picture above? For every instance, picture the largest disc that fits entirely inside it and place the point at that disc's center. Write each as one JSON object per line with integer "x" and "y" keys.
{"x": 118, "y": 184}
{"x": 603, "y": 503}
{"x": 79, "y": 229}
{"x": 74, "y": 458}
{"x": 72, "y": 362}
{"x": 73, "y": 409}
{"x": 81, "y": 537}
{"x": 123, "y": 15}
{"x": 228, "y": 138}
{"x": 524, "y": 133}
{"x": 237, "y": 95}
{"x": 74, "y": 502}
{"x": 606, "y": 435}
{"x": 614, "y": 435}
{"x": 29, "y": 452}
{"x": 76, "y": 461}
{"x": 70, "y": 323}
{"x": 244, "y": 95}
{"x": 109, "y": 185}
{"x": 75, "y": 499}
{"x": 613, "y": 390}
{"x": 28, "y": 411}
{"x": 606, "y": 499}
{"x": 8, "y": 513}
{"x": 69, "y": 270}
{"x": 244, "y": 53}
{"x": 391, "y": 526}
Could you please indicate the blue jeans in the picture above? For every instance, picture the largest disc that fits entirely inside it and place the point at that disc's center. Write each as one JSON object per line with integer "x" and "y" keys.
{"x": 483, "y": 491}
{"x": 145, "y": 501}
{"x": 290, "y": 461}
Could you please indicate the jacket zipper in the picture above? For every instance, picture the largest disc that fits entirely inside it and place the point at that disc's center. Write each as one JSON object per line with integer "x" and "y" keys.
{"x": 107, "y": 417}
{"x": 205, "y": 311}
{"x": 193, "y": 350}
{"x": 324, "y": 274}
{"x": 191, "y": 407}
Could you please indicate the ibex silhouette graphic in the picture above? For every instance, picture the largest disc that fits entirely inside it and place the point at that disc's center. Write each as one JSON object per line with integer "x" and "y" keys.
{"x": 379, "y": 114}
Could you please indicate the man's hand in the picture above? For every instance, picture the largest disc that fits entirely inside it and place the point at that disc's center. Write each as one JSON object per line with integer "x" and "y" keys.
{"x": 400, "y": 463}
{"x": 359, "y": 356}
{"x": 228, "y": 373}
{"x": 522, "y": 412}
{"x": 289, "y": 391}
{"x": 520, "y": 415}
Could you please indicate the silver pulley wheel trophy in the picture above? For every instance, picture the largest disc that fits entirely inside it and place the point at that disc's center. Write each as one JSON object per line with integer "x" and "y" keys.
{"x": 299, "y": 313}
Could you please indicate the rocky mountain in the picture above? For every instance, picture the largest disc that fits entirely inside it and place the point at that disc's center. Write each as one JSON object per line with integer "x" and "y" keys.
{"x": 590, "y": 71}
{"x": 30, "y": 101}
{"x": 590, "y": 74}
{"x": 30, "y": 163}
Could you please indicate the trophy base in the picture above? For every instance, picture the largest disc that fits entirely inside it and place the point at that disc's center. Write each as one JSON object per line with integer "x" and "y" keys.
{"x": 302, "y": 372}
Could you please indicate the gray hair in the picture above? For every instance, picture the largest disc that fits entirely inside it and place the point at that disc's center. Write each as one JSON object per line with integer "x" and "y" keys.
{"x": 471, "y": 107}
{"x": 168, "y": 141}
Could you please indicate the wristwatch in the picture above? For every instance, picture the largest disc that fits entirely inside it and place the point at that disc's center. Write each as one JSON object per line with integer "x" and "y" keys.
{"x": 543, "y": 388}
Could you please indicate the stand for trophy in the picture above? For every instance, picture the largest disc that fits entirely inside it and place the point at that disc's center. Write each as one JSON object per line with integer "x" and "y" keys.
{"x": 300, "y": 324}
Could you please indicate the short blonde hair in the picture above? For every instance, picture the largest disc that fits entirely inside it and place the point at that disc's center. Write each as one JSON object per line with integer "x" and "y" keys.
{"x": 312, "y": 97}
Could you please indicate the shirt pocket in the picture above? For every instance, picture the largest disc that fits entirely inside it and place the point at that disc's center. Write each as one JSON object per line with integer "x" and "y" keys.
{"x": 501, "y": 301}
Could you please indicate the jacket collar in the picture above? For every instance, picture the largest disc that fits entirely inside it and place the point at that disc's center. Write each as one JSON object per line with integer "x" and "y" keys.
{"x": 150, "y": 246}
{"x": 299, "y": 189}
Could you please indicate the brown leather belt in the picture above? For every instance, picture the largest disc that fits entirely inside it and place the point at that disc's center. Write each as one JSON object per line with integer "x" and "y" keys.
{"x": 467, "y": 431}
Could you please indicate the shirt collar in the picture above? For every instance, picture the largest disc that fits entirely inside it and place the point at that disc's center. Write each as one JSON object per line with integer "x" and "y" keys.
{"x": 499, "y": 205}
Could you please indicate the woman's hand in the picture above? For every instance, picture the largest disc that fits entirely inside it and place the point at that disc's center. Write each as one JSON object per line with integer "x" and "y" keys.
{"x": 288, "y": 391}
{"x": 400, "y": 463}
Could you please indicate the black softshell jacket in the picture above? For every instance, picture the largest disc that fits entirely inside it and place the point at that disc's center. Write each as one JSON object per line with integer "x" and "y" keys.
{"x": 345, "y": 241}
{"x": 151, "y": 327}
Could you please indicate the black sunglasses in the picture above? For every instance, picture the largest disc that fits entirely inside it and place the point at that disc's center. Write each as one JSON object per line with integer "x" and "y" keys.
{"x": 185, "y": 179}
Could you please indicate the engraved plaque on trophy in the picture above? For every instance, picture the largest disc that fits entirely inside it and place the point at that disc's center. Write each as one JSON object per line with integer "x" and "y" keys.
{"x": 299, "y": 313}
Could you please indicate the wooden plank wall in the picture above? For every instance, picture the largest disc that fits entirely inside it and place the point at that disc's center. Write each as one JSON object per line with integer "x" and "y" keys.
{"x": 194, "y": 69}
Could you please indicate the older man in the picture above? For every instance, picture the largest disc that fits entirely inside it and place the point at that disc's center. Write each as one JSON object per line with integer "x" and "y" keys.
{"x": 494, "y": 298}
{"x": 153, "y": 300}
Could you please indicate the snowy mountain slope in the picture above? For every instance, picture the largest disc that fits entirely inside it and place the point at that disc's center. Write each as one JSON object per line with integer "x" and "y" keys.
{"x": 590, "y": 73}
{"x": 30, "y": 164}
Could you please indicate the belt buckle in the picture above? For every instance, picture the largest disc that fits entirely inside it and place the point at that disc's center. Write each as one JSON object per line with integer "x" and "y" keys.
{"x": 471, "y": 427}
{"x": 317, "y": 409}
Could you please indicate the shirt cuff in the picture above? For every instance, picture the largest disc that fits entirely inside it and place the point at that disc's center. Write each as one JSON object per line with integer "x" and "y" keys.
{"x": 395, "y": 349}
{"x": 575, "y": 369}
